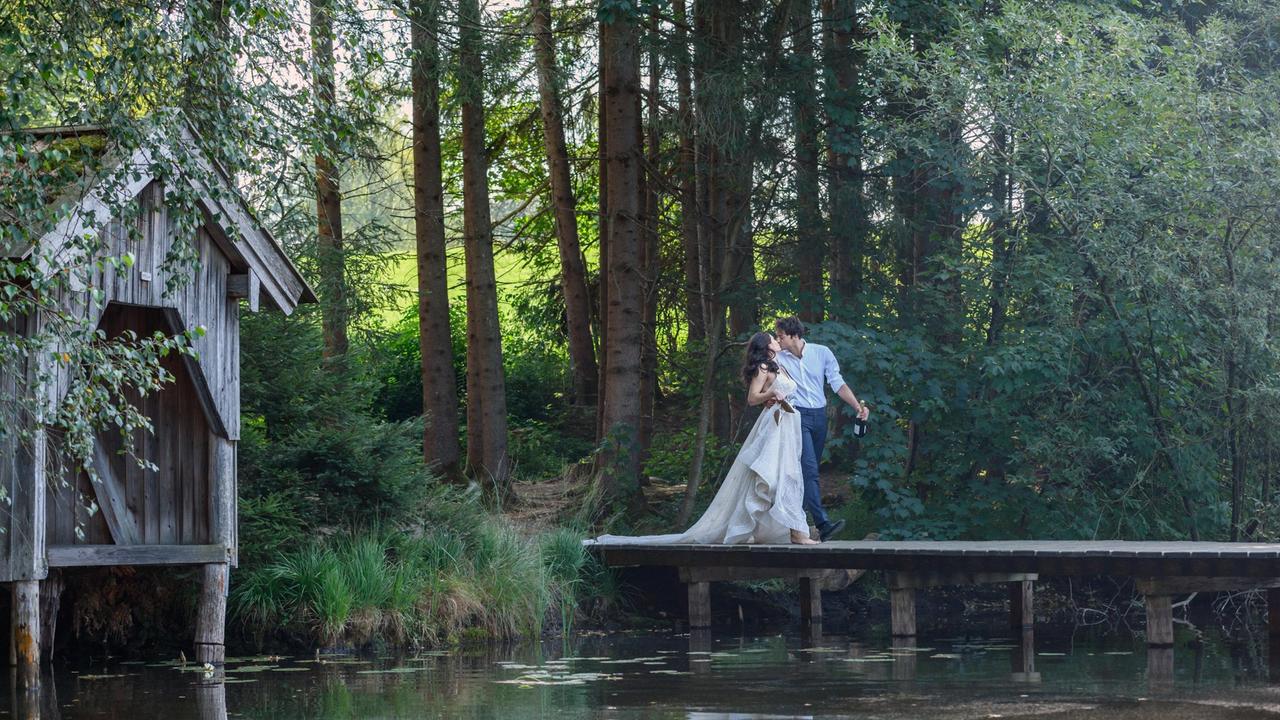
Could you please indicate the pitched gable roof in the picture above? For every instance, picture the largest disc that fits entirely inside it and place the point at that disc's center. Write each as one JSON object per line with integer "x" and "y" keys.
{"x": 78, "y": 202}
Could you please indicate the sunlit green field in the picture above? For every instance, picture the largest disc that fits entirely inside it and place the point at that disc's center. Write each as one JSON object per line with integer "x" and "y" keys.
{"x": 511, "y": 270}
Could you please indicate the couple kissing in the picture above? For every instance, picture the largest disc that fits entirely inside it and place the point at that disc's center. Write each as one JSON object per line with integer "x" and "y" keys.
{"x": 774, "y": 478}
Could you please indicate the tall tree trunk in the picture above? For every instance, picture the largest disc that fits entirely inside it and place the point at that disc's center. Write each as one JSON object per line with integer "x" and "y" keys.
{"x": 577, "y": 303}
{"x": 1236, "y": 415}
{"x": 724, "y": 175}
{"x": 849, "y": 224}
{"x": 652, "y": 246}
{"x": 718, "y": 26}
{"x": 439, "y": 386}
{"x": 811, "y": 242}
{"x": 602, "y": 142}
{"x": 695, "y": 287}
{"x": 1002, "y": 210}
{"x": 330, "y": 254}
{"x": 621, "y": 460}
{"x": 707, "y": 403}
{"x": 486, "y": 391}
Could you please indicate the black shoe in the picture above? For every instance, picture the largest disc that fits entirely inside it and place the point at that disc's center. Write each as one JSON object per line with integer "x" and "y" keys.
{"x": 830, "y": 530}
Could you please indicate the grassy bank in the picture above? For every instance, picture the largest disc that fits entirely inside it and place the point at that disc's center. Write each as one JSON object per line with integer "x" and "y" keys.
{"x": 426, "y": 586}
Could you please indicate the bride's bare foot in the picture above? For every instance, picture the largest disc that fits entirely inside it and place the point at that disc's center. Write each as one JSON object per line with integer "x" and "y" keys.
{"x": 799, "y": 538}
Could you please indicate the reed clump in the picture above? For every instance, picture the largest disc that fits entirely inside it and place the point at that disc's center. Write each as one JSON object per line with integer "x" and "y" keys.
{"x": 458, "y": 575}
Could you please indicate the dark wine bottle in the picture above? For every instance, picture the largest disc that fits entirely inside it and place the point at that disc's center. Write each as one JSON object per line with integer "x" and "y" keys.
{"x": 859, "y": 427}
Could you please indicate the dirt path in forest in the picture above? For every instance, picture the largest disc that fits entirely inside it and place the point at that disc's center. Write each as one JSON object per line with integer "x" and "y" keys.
{"x": 539, "y": 506}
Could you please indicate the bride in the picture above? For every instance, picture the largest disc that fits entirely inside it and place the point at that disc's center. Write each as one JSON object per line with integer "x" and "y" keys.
{"x": 761, "y": 499}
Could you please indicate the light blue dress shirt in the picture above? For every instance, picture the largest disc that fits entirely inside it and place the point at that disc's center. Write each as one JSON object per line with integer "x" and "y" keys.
{"x": 818, "y": 365}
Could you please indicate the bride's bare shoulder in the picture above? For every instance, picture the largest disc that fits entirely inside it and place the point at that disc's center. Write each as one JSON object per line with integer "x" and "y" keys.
{"x": 768, "y": 375}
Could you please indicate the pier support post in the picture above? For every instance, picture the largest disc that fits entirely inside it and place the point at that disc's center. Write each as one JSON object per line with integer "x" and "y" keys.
{"x": 1159, "y": 620}
{"x": 50, "y": 601}
{"x": 904, "y": 658}
{"x": 1022, "y": 605}
{"x": 810, "y": 600}
{"x": 1273, "y": 634}
{"x": 902, "y": 611}
{"x": 699, "y": 604}
{"x": 26, "y": 632}
{"x": 1022, "y": 661}
{"x": 1159, "y": 667}
{"x": 212, "y": 614}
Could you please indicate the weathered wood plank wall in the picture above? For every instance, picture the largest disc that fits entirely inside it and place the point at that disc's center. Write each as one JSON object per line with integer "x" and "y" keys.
{"x": 190, "y": 498}
{"x": 22, "y": 470}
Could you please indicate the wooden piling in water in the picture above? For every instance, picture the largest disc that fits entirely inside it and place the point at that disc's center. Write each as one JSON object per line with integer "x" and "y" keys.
{"x": 211, "y": 614}
{"x": 1022, "y": 605}
{"x": 902, "y": 611}
{"x": 699, "y": 604}
{"x": 1273, "y": 633}
{"x": 810, "y": 600}
{"x": 26, "y": 632}
{"x": 1159, "y": 620}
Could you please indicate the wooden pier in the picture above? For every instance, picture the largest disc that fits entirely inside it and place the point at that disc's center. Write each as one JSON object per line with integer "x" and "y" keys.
{"x": 1160, "y": 571}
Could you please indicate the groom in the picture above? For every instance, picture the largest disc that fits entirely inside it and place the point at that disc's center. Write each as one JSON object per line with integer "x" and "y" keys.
{"x": 809, "y": 364}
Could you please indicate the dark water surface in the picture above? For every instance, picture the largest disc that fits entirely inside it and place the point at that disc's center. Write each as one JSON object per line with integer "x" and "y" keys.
{"x": 666, "y": 675}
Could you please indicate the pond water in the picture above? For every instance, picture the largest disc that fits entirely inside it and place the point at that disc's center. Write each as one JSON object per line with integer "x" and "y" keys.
{"x": 700, "y": 676}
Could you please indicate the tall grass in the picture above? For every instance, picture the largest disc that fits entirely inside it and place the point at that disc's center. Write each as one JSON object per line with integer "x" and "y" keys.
{"x": 474, "y": 575}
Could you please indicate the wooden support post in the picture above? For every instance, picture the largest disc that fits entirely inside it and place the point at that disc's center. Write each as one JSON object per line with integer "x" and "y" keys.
{"x": 50, "y": 602}
{"x": 1159, "y": 620}
{"x": 902, "y": 612}
{"x": 1022, "y": 661}
{"x": 700, "y": 647}
{"x": 1022, "y": 605}
{"x": 810, "y": 600}
{"x": 26, "y": 631}
{"x": 212, "y": 613}
{"x": 699, "y": 604}
{"x": 1159, "y": 667}
{"x": 904, "y": 658}
{"x": 1273, "y": 633}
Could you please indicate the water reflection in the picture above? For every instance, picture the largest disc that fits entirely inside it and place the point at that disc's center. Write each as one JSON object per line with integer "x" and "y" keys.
{"x": 693, "y": 675}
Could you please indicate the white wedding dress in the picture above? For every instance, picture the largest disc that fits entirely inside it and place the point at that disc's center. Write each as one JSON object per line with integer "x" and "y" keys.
{"x": 761, "y": 499}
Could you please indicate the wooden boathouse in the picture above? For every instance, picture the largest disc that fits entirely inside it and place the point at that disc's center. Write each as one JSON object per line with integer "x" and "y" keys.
{"x": 182, "y": 512}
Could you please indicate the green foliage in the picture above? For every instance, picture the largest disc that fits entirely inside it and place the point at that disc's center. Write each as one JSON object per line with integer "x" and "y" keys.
{"x": 544, "y": 433}
{"x": 269, "y": 524}
{"x": 671, "y": 454}
{"x": 469, "y": 575}
{"x": 541, "y": 450}
{"x": 311, "y": 436}
{"x": 1065, "y": 366}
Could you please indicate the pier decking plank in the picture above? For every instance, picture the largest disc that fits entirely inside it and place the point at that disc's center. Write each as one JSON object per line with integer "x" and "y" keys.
{"x": 1050, "y": 558}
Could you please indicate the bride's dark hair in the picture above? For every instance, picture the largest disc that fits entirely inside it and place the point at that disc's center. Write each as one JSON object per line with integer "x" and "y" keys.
{"x": 758, "y": 354}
